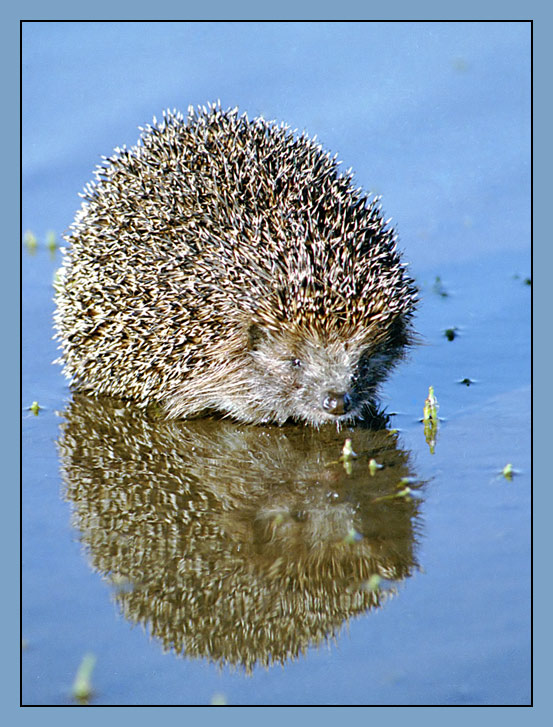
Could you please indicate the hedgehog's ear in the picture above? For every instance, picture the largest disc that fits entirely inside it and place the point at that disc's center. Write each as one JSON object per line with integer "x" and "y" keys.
{"x": 256, "y": 336}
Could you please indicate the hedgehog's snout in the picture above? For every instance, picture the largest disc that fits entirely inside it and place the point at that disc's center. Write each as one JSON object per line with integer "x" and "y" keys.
{"x": 336, "y": 403}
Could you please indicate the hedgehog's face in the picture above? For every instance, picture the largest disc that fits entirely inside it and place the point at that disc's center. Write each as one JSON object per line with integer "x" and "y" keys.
{"x": 305, "y": 378}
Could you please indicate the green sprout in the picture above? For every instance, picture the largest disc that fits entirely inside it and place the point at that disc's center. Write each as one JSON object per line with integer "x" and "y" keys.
{"x": 30, "y": 241}
{"x": 405, "y": 492}
{"x": 51, "y": 242}
{"x": 430, "y": 419}
{"x": 82, "y": 686}
{"x": 431, "y": 406}
{"x": 347, "y": 450}
{"x": 508, "y": 471}
{"x": 374, "y": 466}
{"x": 347, "y": 455}
{"x": 35, "y": 408}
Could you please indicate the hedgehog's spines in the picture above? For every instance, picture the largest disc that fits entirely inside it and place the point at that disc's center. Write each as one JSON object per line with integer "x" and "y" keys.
{"x": 208, "y": 225}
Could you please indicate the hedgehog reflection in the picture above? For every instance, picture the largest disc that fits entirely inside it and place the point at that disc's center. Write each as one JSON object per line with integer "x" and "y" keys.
{"x": 241, "y": 545}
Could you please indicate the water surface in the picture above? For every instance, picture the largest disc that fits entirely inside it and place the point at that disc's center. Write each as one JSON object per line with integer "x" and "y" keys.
{"x": 187, "y": 556}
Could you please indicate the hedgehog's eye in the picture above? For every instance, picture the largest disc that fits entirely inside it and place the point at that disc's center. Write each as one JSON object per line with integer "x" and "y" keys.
{"x": 295, "y": 362}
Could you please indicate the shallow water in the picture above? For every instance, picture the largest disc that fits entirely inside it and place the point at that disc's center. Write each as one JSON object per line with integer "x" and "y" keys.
{"x": 457, "y": 628}
{"x": 164, "y": 549}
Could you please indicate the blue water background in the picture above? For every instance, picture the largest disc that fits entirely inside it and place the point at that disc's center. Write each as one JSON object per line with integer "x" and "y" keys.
{"x": 436, "y": 118}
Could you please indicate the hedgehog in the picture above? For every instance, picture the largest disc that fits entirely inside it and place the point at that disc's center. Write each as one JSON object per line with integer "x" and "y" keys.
{"x": 227, "y": 266}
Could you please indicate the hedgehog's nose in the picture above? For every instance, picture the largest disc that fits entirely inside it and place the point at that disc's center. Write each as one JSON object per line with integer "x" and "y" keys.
{"x": 336, "y": 403}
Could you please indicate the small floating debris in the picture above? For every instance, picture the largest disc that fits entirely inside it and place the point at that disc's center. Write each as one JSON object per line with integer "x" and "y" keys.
{"x": 30, "y": 241}
{"x": 82, "y": 686}
{"x": 525, "y": 281}
{"x": 466, "y": 381}
{"x": 347, "y": 455}
{"x": 51, "y": 241}
{"x": 35, "y": 408}
{"x": 451, "y": 333}
{"x": 439, "y": 288}
{"x": 347, "y": 451}
{"x": 404, "y": 492}
{"x": 374, "y": 466}
{"x": 508, "y": 471}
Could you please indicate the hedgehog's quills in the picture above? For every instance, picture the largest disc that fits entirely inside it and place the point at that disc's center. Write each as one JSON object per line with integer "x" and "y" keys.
{"x": 224, "y": 265}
